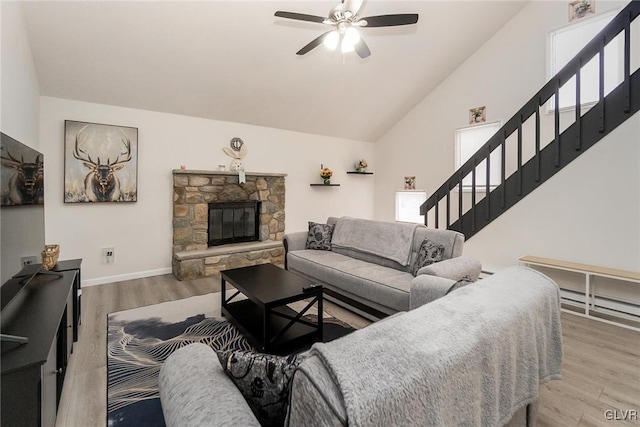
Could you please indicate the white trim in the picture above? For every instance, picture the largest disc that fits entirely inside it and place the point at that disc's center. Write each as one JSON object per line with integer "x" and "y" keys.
{"x": 123, "y": 277}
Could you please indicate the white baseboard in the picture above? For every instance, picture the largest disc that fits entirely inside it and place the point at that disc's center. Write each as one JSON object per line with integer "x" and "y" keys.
{"x": 123, "y": 277}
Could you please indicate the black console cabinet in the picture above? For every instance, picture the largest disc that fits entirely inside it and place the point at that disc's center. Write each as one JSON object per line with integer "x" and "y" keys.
{"x": 33, "y": 373}
{"x": 73, "y": 265}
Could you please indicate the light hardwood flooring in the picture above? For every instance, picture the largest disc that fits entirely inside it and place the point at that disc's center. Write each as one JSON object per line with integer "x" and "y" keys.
{"x": 601, "y": 367}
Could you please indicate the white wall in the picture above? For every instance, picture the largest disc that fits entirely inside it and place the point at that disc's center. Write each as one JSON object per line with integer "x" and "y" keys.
{"x": 19, "y": 118}
{"x": 502, "y": 75}
{"x": 20, "y": 91}
{"x": 141, "y": 232}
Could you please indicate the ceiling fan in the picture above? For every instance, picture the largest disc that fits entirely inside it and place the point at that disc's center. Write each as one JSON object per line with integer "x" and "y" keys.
{"x": 344, "y": 17}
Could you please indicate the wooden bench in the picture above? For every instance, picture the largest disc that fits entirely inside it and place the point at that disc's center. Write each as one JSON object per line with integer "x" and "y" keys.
{"x": 589, "y": 307}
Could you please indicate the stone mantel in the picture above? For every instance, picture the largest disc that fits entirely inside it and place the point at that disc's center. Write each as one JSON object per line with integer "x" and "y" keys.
{"x": 193, "y": 190}
{"x": 224, "y": 173}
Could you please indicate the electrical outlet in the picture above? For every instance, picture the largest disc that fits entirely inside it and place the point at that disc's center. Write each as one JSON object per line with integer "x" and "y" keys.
{"x": 108, "y": 255}
{"x": 28, "y": 260}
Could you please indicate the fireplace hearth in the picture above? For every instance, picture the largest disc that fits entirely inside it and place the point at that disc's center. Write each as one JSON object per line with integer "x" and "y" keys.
{"x": 234, "y": 222}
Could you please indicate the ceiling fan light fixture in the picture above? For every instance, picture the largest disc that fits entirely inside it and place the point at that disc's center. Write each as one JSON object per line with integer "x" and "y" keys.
{"x": 349, "y": 40}
{"x": 346, "y": 20}
{"x": 331, "y": 40}
{"x": 352, "y": 35}
{"x": 347, "y": 47}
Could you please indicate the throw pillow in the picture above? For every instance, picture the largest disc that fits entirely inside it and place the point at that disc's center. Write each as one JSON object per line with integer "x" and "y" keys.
{"x": 319, "y": 236}
{"x": 264, "y": 380}
{"x": 428, "y": 254}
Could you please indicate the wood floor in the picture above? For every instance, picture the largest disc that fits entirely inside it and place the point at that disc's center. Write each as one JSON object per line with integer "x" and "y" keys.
{"x": 601, "y": 368}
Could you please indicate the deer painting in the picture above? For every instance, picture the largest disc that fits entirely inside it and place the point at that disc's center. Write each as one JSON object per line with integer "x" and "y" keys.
{"x": 101, "y": 184}
{"x": 26, "y": 185}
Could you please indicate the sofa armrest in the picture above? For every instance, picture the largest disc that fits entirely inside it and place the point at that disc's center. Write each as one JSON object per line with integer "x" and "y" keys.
{"x": 427, "y": 288}
{"x": 454, "y": 268}
{"x": 295, "y": 241}
{"x": 195, "y": 391}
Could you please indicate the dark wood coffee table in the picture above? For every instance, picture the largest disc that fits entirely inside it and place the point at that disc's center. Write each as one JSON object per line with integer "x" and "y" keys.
{"x": 263, "y": 317}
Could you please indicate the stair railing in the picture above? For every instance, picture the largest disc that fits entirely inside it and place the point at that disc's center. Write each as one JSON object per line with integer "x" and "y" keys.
{"x": 551, "y": 91}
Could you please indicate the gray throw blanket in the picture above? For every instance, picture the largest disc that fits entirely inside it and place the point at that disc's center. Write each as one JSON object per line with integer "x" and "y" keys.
{"x": 385, "y": 239}
{"x": 471, "y": 358}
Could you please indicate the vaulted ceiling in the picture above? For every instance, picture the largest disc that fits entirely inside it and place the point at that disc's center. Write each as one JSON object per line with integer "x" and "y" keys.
{"x": 235, "y": 61}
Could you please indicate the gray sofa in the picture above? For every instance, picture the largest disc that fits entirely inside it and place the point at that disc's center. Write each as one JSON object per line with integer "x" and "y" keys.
{"x": 364, "y": 270}
{"x": 475, "y": 357}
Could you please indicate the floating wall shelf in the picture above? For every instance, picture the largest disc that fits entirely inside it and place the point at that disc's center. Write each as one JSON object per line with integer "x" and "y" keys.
{"x": 360, "y": 173}
{"x": 325, "y": 185}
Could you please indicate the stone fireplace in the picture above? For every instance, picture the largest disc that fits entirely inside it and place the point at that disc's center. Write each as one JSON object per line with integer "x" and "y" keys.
{"x": 203, "y": 198}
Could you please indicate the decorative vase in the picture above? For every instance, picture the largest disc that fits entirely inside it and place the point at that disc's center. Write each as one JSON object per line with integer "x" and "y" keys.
{"x": 326, "y": 181}
{"x": 360, "y": 169}
{"x": 50, "y": 256}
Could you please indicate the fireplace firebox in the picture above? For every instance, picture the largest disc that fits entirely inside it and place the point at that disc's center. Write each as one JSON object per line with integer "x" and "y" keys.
{"x": 233, "y": 222}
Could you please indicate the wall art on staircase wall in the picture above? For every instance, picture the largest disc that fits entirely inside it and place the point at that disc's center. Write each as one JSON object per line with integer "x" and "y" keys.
{"x": 409, "y": 182}
{"x": 477, "y": 115}
{"x": 581, "y": 8}
{"x": 100, "y": 163}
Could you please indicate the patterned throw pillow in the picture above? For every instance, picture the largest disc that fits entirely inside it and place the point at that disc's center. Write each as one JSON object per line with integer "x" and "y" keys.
{"x": 428, "y": 254}
{"x": 264, "y": 380}
{"x": 319, "y": 236}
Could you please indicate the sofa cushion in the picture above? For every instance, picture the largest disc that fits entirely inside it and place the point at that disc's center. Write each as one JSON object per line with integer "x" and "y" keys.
{"x": 319, "y": 236}
{"x": 370, "y": 281}
{"x": 263, "y": 380}
{"x": 428, "y": 254}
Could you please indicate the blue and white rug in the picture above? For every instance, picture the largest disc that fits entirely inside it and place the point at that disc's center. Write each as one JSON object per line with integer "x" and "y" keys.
{"x": 140, "y": 339}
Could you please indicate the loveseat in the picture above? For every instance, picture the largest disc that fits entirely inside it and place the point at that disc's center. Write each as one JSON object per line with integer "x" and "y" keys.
{"x": 475, "y": 357}
{"x": 372, "y": 265}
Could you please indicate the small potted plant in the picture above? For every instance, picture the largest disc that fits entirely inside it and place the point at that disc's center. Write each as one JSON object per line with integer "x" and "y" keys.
{"x": 326, "y": 174}
{"x": 361, "y": 165}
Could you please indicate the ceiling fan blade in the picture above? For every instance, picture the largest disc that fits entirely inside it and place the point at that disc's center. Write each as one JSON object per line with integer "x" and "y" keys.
{"x": 362, "y": 49}
{"x": 300, "y": 16}
{"x": 313, "y": 43}
{"x": 391, "y": 20}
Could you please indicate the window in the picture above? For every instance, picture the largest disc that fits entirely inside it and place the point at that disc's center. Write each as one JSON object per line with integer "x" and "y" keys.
{"x": 468, "y": 141}
{"x": 408, "y": 205}
{"x": 566, "y": 42}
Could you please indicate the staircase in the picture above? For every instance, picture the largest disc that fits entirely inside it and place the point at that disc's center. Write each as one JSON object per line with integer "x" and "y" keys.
{"x": 449, "y": 207}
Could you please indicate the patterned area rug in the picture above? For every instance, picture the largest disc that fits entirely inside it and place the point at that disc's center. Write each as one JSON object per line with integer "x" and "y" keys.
{"x": 139, "y": 340}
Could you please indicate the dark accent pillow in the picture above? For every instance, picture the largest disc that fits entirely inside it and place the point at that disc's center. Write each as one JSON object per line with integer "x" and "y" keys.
{"x": 264, "y": 380}
{"x": 428, "y": 254}
{"x": 319, "y": 236}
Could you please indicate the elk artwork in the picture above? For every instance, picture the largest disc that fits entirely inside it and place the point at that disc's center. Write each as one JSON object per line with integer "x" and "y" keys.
{"x": 101, "y": 183}
{"x": 26, "y": 185}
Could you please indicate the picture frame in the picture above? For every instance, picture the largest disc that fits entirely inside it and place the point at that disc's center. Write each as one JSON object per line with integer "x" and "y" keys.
{"x": 477, "y": 115}
{"x": 100, "y": 163}
{"x": 409, "y": 182}
{"x": 580, "y": 8}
